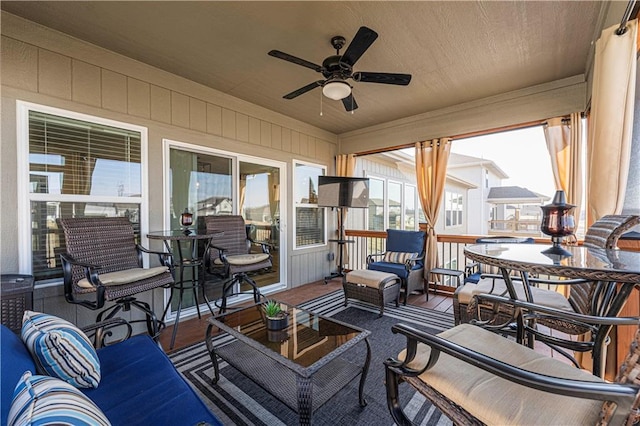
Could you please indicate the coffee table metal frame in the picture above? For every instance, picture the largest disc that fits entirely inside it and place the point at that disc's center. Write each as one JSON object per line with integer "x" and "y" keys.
{"x": 290, "y": 382}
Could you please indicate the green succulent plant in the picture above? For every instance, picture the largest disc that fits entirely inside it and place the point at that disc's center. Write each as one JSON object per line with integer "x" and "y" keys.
{"x": 272, "y": 309}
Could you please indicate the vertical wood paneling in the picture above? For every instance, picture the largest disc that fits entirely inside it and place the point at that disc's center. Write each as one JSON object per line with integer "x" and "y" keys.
{"x": 138, "y": 98}
{"x": 311, "y": 147}
{"x": 179, "y": 109}
{"x": 214, "y": 119}
{"x": 295, "y": 142}
{"x": 254, "y": 131}
{"x": 19, "y": 64}
{"x": 160, "y": 104}
{"x": 286, "y": 139}
{"x": 54, "y": 74}
{"x": 276, "y": 137}
{"x": 85, "y": 83}
{"x": 265, "y": 133}
{"x": 304, "y": 144}
{"x": 242, "y": 127}
{"x": 228, "y": 123}
{"x": 114, "y": 91}
{"x": 197, "y": 114}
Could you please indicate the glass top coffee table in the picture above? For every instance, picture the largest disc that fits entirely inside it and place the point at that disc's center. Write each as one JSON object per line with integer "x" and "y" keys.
{"x": 301, "y": 365}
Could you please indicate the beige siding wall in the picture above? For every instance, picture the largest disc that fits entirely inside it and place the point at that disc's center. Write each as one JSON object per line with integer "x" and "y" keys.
{"x": 48, "y": 68}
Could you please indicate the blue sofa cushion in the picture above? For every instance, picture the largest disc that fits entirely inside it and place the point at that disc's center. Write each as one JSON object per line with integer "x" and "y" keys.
{"x": 44, "y": 400}
{"x": 392, "y": 268}
{"x": 61, "y": 349}
{"x": 140, "y": 386}
{"x": 14, "y": 361}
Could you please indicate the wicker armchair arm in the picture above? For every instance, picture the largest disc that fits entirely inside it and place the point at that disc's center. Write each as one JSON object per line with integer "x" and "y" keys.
{"x": 100, "y": 332}
{"x": 535, "y": 309}
{"x": 370, "y": 258}
{"x": 622, "y": 394}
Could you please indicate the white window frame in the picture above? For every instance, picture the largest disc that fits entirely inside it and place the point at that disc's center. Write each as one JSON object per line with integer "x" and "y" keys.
{"x": 384, "y": 202}
{"x": 401, "y": 184}
{"x": 323, "y": 167}
{"x": 25, "y": 196}
{"x": 416, "y": 204}
{"x": 446, "y": 206}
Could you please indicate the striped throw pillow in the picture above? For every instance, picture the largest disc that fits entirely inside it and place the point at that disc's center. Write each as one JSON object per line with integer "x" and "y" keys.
{"x": 39, "y": 400}
{"x": 60, "y": 349}
{"x": 398, "y": 256}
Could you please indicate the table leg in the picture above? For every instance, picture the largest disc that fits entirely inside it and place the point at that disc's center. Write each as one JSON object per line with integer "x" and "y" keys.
{"x": 363, "y": 376}
{"x": 304, "y": 387}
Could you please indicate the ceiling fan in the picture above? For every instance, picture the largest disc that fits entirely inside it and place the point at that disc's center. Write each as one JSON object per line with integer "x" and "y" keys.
{"x": 337, "y": 69}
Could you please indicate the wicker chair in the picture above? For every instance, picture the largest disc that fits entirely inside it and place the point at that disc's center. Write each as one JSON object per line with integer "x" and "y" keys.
{"x": 592, "y": 299}
{"x": 230, "y": 257}
{"x": 404, "y": 257}
{"x": 477, "y": 377}
{"x": 102, "y": 260}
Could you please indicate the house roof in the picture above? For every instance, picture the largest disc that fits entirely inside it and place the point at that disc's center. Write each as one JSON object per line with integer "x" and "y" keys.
{"x": 514, "y": 195}
{"x": 457, "y": 161}
{"x": 456, "y": 52}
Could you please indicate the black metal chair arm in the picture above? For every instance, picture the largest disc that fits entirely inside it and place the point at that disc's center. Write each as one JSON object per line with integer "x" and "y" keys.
{"x": 622, "y": 394}
{"x": 103, "y": 330}
{"x": 71, "y": 260}
{"x": 165, "y": 258}
{"x": 264, "y": 246}
{"x": 370, "y": 258}
{"x": 533, "y": 308}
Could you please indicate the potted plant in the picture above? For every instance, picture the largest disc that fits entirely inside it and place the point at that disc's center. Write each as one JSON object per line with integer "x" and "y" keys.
{"x": 277, "y": 319}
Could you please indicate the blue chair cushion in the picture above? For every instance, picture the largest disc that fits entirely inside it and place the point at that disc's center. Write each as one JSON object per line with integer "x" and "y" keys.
{"x": 392, "y": 268}
{"x": 15, "y": 359}
{"x": 140, "y": 386}
{"x": 473, "y": 278}
{"x": 405, "y": 241}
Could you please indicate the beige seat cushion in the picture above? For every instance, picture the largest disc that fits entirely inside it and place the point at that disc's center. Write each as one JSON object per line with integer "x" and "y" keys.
{"x": 496, "y": 401}
{"x": 125, "y": 276}
{"x": 371, "y": 278}
{"x": 247, "y": 259}
{"x": 548, "y": 298}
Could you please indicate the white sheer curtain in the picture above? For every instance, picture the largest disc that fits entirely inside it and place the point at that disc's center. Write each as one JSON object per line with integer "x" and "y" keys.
{"x": 611, "y": 121}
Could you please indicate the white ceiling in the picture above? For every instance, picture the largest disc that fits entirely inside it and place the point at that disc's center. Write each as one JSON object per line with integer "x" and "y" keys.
{"x": 456, "y": 51}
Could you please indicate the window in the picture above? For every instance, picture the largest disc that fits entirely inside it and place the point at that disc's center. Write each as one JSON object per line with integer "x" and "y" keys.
{"x": 376, "y": 204}
{"x": 410, "y": 221}
{"x": 74, "y": 165}
{"x": 309, "y": 218}
{"x": 395, "y": 205}
{"x": 453, "y": 209}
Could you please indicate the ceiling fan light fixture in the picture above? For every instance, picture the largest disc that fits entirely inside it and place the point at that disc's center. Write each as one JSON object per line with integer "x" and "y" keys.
{"x": 336, "y": 90}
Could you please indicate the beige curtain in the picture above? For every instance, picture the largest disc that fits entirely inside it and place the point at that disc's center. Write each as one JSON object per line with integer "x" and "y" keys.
{"x": 345, "y": 166}
{"x": 611, "y": 121}
{"x": 431, "y": 173}
{"x": 564, "y": 142}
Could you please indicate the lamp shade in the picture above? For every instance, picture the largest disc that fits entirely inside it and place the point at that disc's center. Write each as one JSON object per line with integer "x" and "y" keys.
{"x": 336, "y": 90}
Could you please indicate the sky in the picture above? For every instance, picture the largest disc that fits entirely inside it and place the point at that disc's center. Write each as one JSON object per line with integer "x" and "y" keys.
{"x": 522, "y": 154}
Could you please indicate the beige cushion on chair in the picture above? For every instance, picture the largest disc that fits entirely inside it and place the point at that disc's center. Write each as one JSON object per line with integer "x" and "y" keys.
{"x": 125, "y": 276}
{"x": 548, "y": 298}
{"x": 371, "y": 278}
{"x": 496, "y": 401}
{"x": 247, "y": 259}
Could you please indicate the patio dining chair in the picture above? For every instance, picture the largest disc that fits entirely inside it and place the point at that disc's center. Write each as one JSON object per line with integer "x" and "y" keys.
{"x": 234, "y": 257}
{"x": 404, "y": 257}
{"x": 103, "y": 263}
{"x": 594, "y": 300}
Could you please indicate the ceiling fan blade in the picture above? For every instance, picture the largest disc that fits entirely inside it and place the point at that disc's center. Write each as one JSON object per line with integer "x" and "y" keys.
{"x": 360, "y": 43}
{"x": 290, "y": 58}
{"x": 382, "y": 77}
{"x": 350, "y": 103}
{"x": 304, "y": 89}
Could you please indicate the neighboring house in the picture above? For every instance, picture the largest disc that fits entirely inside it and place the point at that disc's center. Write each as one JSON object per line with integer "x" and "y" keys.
{"x": 515, "y": 210}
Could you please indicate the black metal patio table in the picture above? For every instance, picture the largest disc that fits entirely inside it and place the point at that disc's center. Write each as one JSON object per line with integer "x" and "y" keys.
{"x": 300, "y": 365}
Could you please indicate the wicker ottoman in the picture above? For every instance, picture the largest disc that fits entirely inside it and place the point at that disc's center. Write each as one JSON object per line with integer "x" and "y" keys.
{"x": 378, "y": 288}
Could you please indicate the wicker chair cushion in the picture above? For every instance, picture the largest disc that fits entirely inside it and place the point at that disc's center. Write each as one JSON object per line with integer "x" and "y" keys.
{"x": 371, "y": 278}
{"x": 541, "y": 296}
{"x": 398, "y": 256}
{"x": 629, "y": 373}
{"x": 126, "y": 276}
{"x": 494, "y": 400}
{"x": 247, "y": 259}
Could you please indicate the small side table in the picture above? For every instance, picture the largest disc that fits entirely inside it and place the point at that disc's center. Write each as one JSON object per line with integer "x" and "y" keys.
{"x": 16, "y": 295}
{"x": 444, "y": 271}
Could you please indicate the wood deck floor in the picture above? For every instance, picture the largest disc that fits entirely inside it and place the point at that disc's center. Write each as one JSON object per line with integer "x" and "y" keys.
{"x": 193, "y": 330}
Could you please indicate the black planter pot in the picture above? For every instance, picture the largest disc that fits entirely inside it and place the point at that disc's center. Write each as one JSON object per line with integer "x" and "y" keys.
{"x": 278, "y": 323}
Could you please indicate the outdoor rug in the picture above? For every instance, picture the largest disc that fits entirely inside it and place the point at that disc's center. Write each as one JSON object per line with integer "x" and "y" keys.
{"x": 236, "y": 400}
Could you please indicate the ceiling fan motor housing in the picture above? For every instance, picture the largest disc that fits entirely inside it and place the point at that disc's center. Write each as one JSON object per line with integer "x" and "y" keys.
{"x": 332, "y": 67}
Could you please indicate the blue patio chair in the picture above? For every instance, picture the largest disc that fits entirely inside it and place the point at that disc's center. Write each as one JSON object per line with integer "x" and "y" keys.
{"x": 404, "y": 256}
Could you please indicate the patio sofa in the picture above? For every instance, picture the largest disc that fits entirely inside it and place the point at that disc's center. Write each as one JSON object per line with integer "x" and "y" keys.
{"x": 138, "y": 385}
